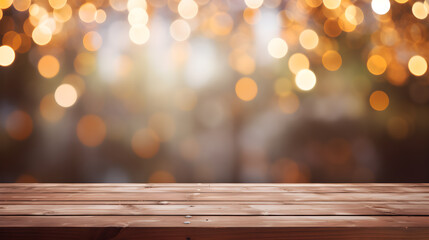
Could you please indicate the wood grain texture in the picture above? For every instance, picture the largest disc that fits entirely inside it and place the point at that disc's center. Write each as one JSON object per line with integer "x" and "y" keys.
{"x": 214, "y": 211}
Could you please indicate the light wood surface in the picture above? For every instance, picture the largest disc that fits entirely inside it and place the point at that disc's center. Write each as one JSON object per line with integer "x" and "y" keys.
{"x": 204, "y": 211}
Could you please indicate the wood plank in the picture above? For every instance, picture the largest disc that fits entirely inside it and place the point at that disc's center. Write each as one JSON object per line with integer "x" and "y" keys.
{"x": 219, "y": 210}
{"x": 26, "y": 188}
{"x": 165, "y": 196}
{"x": 214, "y": 221}
{"x": 192, "y": 233}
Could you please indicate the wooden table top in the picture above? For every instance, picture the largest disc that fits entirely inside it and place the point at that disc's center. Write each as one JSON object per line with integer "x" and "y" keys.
{"x": 395, "y": 210}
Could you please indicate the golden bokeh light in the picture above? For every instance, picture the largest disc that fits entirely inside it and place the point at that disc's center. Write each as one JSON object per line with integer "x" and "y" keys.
{"x": 139, "y": 34}
{"x": 354, "y": 15}
{"x": 420, "y": 10}
{"x": 7, "y": 55}
{"x": 63, "y": 14}
{"x": 21, "y": 5}
{"x": 131, "y": 4}
{"x": 314, "y": 3}
{"x": 277, "y": 48}
{"x": 87, "y": 12}
{"x": 65, "y": 95}
{"x": 417, "y": 65}
{"x": 92, "y": 41}
{"x": 397, "y": 74}
{"x": 145, "y": 143}
{"x": 57, "y": 4}
{"x": 221, "y": 23}
{"x": 305, "y": 80}
{"x": 5, "y": 4}
{"x": 289, "y": 103}
{"x": 297, "y": 62}
{"x": 19, "y": 125}
{"x": 251, "y": 16}
{"x": 331, "y": 60}
{"x": 50, "y": 110}
{"x": 376, "y": 64}
{"x": 379, "y": 100}
{"x": 12, "y": 39}
{"x": 48, "y": 66}
{"x": 119, "y": 5}
{"x": 100, "y": 16}
{"x": 380, "y": 7}
{"x": 308, "y": 39}
{"x": 246, "y": 89}
{"x": 331, "y": 27}
{"x": 91, "y": 130}
{"x": 180, "y": 30}
{"x": 254, "y": 3}
{"x": 138, "y": 16}
{"x": 187, "y": 9}
{"x": 42, "y": 35}
{"x": 331, "y": 4}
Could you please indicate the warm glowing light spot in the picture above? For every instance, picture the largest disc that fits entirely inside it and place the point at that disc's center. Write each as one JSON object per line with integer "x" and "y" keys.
{"x": 119, "y": 5}
{"x": 221, "y": 23}
{"x": 65, "y": 95}
{"x": 84, "y": 63}
{"x": 305, "y": 80}
{"x": 57, "y": 4}
{"x": 282, "y": 87}
{"x": 48, "y": 66}
{"x": 91, "y": 130}
{"x": 21, "y": 5}
{"x": 380, "y": 7}
{"x": 19, "y": 125}
{"x": 401, "y": 1}
{"x": 379, "y": 100}
{"x": 138, "y": 16}
{"x": 87, "y": 12}
{"x": 139, "y": 34}
{"x": 376, "y": 64}
{"x": 289, "y": 103}
{"x": 136, "y": 4}
{"x": 417, "y": 65}
{"x": 50, "y": 110}
{"x": 420, "y": 10}
{"x": 42, "y": 35}
{"x": 161, "y": 177}
{"x": 12, "y": 39}
{"x": 331, "y": 27}
{"x": 164, "y": 126}
{"x": 100, "y": 16}
{"x": 180, "y": 30}
{"x": 246, "y": 89}
{"x": 145, "y": 143}
{"x": 297, "y": 62}
{"x": 76, "y": 81}
{"x": 277, "y": 48}
{"x": 251, "y": 16}
{"x": 354, "y": 15}
{"x": 92, "y": 41}
{"x": 332, "y": 4}
{"x": 314, "y": 3}
{"x": 254, "y": 3}
{"x": 5, "y": 4}
{"x": 331, "y": 60}
{"x": 242, "y": 62}
{"x": 397, "y": 74}
{"x": 308, "y": 39}
{"x": 187, "y": 9}
{"x": 7, "y": 56}
{"x": 63, "y": 14}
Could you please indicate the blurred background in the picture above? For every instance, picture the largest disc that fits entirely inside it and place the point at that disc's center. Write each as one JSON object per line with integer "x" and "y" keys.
{"x": 214, "y": 91}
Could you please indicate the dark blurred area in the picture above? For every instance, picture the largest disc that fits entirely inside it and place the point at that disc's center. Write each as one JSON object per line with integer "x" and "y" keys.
{"x": 214, "y": 91}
